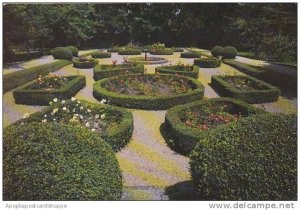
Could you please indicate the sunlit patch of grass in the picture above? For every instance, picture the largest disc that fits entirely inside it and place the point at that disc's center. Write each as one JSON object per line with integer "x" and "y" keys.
{"x": 138, "y": 195}
{"x": 285, "y": 106}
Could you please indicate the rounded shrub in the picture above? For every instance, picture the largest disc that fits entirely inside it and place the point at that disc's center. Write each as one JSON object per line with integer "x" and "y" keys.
{"x": 217, "y": 51}
{"x": 229, "y": 52}
{"x": 74, "y": 50}
{"x": 58, "y": 162}
{"x": 208, "y": 62}
{"x": 252, "y": 159}
{"x": 84, "y": 63}
{"x": 62, "y": 53}
{"x": 101, "y": 55}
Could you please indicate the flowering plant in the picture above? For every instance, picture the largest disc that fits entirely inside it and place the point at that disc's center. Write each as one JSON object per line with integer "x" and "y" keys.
{"x": 48, "y": 82}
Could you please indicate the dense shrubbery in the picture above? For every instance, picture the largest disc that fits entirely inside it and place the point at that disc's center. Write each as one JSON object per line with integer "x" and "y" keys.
{"x": 58, "y": 162}
{"x": 74, "y": 50}
{"x": 207, "y": 62}
{"x": 190, "y": 54}
{"x": 217, "y": 51}
{"x": 62, "y": 53}
{"x": 185, "y": 70}
{"x": 253, "y": 159}
{"x": 84, "y": 63}
{"x": 101, "y": 55}
{"x": 229, "y": 52}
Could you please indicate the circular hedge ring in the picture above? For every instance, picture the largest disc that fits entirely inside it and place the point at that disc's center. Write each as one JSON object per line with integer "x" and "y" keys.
{"x": 194, "y": 91}
{"x": 58, "y": 162}
{"x": 208, "y": 62}
{"x": 189, "y": 71}
{"x": 84, "y": 63}
{"x": 190, "y": 55}
{"x": 149, "y": 61}
{"x": 101, "y": 55}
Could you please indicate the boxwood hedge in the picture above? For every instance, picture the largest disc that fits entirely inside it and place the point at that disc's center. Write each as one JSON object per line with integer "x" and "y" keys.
{"x": 192, "y": 54}
{"x": 62, "y": 53}
{"x": 252, "y": 159}
{"x": 129, "y": 52}
{"x": 84, "y": 63}
{"x": 172, "y": 70}
{"x": 105, "y": 71}
{"x": 208, "y": 62}
{"x": 101, "y": 55}
{"x": 24, "y": 95}
{"x": 182, "y": 138}
{"x": 177, "y": 49}
{"x": 147, "y": 102}
{"x": 15, "y": 79}
{"x": 58, "y": 162}
{"x": 161, "y": 51}
{"x": 269, "y": 93}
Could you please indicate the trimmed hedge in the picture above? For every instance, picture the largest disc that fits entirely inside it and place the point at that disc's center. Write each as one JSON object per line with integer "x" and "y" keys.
{"x": 15, "y": 79}
{"x": 74, "y": 50}
{"x": 161, "y": 51}
{"x": 229, "y": 52}
{"x": 105, "y": 71}
{"x": 182, "y": 138}
{"x": 58, "y": 162}
{"x": 285, "y": 81}
{"x": 23, "y": 95}
{"x": 147, "y": 102}
{"x": 150, "y": 61}
{"x": 101, "y": 55}
{"x": 217, "y": 51}
{"x": 83, "y": 63}
{"x": 170, "y": 70}
{"x": 117, "y": 136}
{"x": 208, "y": 62}
{"x": 193, "y": 54}
{"x": 177, "y": 49}
{"x": 62, "y": 53}
{"x": 252, "y": 159}
{"x": 268, "y": 94}
{"x": 130, "y": 52}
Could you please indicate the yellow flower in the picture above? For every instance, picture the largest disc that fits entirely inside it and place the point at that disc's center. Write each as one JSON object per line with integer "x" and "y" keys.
{"x": 25, "y": 115}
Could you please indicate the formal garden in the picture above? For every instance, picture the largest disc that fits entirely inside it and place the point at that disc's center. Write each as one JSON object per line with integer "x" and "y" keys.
{"x": 92, "y": 116}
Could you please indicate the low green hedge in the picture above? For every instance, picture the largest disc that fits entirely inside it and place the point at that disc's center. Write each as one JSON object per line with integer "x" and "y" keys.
{"x": 15, "y": 79}
{"x": 177, "y": 49}
{"x": 74, "y": 50}
{"x": 252, "y": 159}
{"x": 182, "y": 138}
{"x": 170, "y": 70}
{"x": 117, "y": 136}
{"x": 193, "y": 54}
{"x": 83, "y": 63}
{"x": 62, "y": 53}
{"x": 208, "y": 62}
{"x": 130, "y": 52}
{"x": 285, "y": 81}
{"x": 268, "y": 94}
{"x": 101, "y": 55}
{"x": 147, "y": 102}
{"x": 23, "y": 95}
{"x": 58, "y": 162}
{"x": 105, "y": 71}
{"x": 161, "y": 51}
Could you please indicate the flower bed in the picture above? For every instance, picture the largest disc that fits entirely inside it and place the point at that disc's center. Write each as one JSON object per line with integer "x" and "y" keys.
{"x": 161, "y": 51}
{"x": 148, "y": 60}
{"x": 245, "y": 88}
{"x": 44, "y": 89}
{"x": 187, "y": 124}
{"x": 129, "y": 51}
{"x": 112, "y": 124}
{"x": 155, "y": 92}
{"x": 104, "y": 71}
{"x": 208, "y": 62}
{"x": 84, "y": 63}
{"x": 185, "y": 70}
{"x": 191, "y": 54}
{"x": 101, "y": 55}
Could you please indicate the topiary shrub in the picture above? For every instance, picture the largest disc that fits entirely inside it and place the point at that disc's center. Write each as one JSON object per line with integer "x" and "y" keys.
{"x": 58, "y": 162}
{"x": 74, "y": 50}
{"x": 84, "y": 63}
{"x": 229, "y": 52}
{"x": 208, "y": 62}
{"x": 62, "y": 53}
{"x": 253, "y": 159}
{"x": 101, "y": 55}
{"x": 217, "y": 51}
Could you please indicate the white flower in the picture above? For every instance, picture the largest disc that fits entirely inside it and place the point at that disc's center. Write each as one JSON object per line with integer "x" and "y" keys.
{"x": 63, "y": 101}
{"x": 25, "y": 115}
{"x": 103, "y": 101}
{"x": 97, "y": 116}
{"x": 81, "y": 117}
{"x": 64, "y": 108}
{"x": 55, "y": 100}
{"x": 73, "y": 99}
{"x": 102, "y": 116}
{"x": 93, "y": 129}
{"x": 81, "y": 108}
{"x": 78, "y": 101}
{"x": 44, "y": 121}
{"x": 87, "y": 124}
{"x": 54, "y": 111}
{"x": 45, "y": 115}
{"x": 76, "y": 115}
{"x": 89, "y": 110}
{"x": 50, "y": 102}
{"x": 54, "y": 119}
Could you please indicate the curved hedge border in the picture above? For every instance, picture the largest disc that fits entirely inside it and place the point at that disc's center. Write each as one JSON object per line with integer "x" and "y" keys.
{"x": 190, "y": 55}
{"x": 161, "y": 51}
{"x": 23, "y": 95}
{"x": 208, "y": 62}
{"x": 184, "y": 139}
{"x": 268, "y": 94}
{"x": 90, "y": 63}
{"x": 129, "y": 52}
{"x": 163, "y": 60}
{"x": 58, "y": 162}
{"x": 252, "y": 159}
{"x": 148, "y": 102}
{"x": 168, "y": 70}
{"x": 101, "y": 55}
{"x": 117, "y": 136}
{"x": 100, "y": 72}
